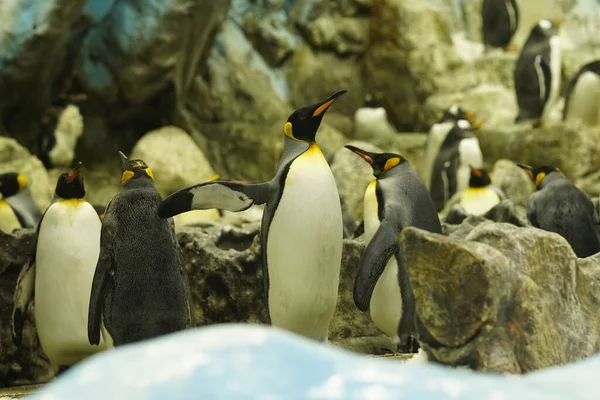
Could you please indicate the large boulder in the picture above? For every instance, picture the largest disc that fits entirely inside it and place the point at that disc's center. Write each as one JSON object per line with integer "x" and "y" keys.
{"x": 504, "y": 299}
{"x": 16, "y": 158}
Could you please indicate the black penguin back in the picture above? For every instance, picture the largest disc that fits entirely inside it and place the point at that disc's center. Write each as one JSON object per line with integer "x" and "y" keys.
{"x": 500, "y": 19}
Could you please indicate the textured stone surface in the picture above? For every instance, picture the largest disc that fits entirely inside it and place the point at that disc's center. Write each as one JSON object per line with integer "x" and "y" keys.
{"x": 507, "y": 299}
{"x": 16, "y": 158}
{"x": 175, "y": 159}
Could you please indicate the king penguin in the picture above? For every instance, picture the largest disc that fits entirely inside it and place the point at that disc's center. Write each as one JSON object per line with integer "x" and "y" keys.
{"x": 500, "y": 19}
{"x": 61, "y": 273}
{"x": 397, "y": 198}
{"x": 452, "y": 167}
{"x": 481, "y": 195}
{"x": 561, "y": 207}
{"x": 538, "y": 72}
{"x": 140, "y": 288}
{"x": 438, "y": 133}
{"x": 17, "y": 207}
{"x": 301, "y": 234}
{"x": 583, "y": 95}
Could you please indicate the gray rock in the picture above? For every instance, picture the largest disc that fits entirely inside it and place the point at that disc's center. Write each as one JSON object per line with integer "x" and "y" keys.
{"x": 175, "y": 159}
{"x": 590, "y": 184}
{"x": 571, "y": 146}
{"x": 409, "y": 38}
{"x": 507, "y": 299}
{"x": 271, "y": 38}
{"x": 505, "y": 211}
{"x": 513, "y": 181}
{"x": 352, "y": 176}
{"x": 16, "y": 158}
{"x": 344, "y": 35}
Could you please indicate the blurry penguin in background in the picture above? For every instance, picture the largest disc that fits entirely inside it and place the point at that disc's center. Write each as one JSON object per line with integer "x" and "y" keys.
{"x": 371, "y": 120}
{"x": 500, "y": 19}
{"x": 582, "y": 101}
{"x": 17, "y": 207}
{"x": 438, "y": 133}
{"x": 561, "y": 207}
{"x": 58, "y": 136}
{"x": 481, "y": 195}
{"x": 452, "y": 167}
{"x": 538, "y": 72}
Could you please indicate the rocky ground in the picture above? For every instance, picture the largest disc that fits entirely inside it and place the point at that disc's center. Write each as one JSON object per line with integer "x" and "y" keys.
{"x": 206, "y": 90}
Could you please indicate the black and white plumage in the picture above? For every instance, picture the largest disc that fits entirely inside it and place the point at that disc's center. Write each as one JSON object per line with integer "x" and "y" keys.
{"x": 582, "y": 101}
{"x": 140, "y": 288}
{"x": 17, "y": 207}
{"x": 301, "y": 230}
{"x": 538, "y": 72}
{"x": 452, "y": 167}
{"x": 500, "y": 19}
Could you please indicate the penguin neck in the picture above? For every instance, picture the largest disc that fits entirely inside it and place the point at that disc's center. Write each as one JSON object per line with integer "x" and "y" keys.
{"x": 296, "y": 146}
{"x": 136, "y": 183}
{"x": 550, "y": 178}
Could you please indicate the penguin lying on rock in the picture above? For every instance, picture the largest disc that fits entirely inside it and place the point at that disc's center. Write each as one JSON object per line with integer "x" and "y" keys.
{"x": 140, "y": 288}
{"x": 561, "y": 207}
{"x": 301, "y": 233}
{"x": 538, "y": 73}
{"x": 66, "y": 251}
{"x": 481, "y": 195}
{"x": 397, "y": 198}
{"x": 17, "y": 207}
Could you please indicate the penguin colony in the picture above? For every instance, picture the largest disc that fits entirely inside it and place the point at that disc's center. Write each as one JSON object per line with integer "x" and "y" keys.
{"x": 108, "y": 276}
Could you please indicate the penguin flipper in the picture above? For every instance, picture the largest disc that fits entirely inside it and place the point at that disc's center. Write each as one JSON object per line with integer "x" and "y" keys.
{"x": 381, "y": 248}
{"x": 225, "y": 195}
{"x": 27, "y": 211}
{"x": 103, "y": 268}
{"x": 22, "y": 296}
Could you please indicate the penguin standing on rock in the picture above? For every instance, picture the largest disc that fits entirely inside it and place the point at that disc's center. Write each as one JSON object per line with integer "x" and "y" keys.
{"x": 397, "y": 198}
{"x": 438, "y": 133}
{"x": 582, "y": 101}
{"x": 561, "y": 207}
{"x": 500, "y": 19}
{"x": 538, "y": 72}
{"x": 17, "y": 207}
{"x": 140, "y": 288}
{"x": 67, "y": 248}
{"x": 481, "y": 195}
{"x": 452, "y": 168}
{"x": 301, "y": 233}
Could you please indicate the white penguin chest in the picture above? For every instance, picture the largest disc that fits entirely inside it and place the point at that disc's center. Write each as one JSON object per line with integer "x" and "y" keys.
{"x": 304, "y": 248}
{"x": 435, "y": 138}
{"x": 8, "y": 218}
{"x": 370, "y": 122}
{"x": 386, "y": 302}
{"x": 470, "y": 155}
{"x": 66, "y": 255}
{"x": 555, "y": 72}
{"x": 478, "y": 201}
{"x": 585, "y": 98}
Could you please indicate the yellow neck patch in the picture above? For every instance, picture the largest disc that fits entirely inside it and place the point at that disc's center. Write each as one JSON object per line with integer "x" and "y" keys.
{"x": 391, "y": 163}
{"x": 287, "y": 129}
{"x": 149, "y": 173}
{"x": 127, "y": 175}
{"x": 72, "y": 202}
{"x": 22, "y": 182}
{"x": 539, "y": 178}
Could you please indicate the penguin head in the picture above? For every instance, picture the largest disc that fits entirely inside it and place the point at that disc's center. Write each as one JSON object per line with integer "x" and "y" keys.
{"x": 455, "y": 113}
{"x": 479, "y": 178}
{"x": 537, "y": 174}
{"x": 302, "y": 125}
{"x": 70, "y": 184}
{"x": 12, "y": 183}
{"x": 462, "y": 129}
{"x": 134, "y": 170}
{"x": 373, "y": 100}
{"x": 545, "y": 29}
{"x": 380, "y": 162}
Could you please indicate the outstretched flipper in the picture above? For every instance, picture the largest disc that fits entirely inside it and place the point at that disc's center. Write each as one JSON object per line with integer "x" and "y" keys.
{"x": 373, "y": 261}
{"x": 22, "y": 296}
{"x": 225, "y": 195}
{"x": 103, "y": 268}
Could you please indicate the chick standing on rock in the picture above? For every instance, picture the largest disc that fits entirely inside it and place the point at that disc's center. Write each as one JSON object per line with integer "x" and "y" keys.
{"x": 438, "y": 133}
{"x": 140, "y": 288}
{"x": 66, "y": 252}
{"x": 397, "y": 198}
{"x": 481, "y": 195}
{"x": 561, "y": 207}
{"x": 538, "y": 72}
{"x": 17, "y": 207}
{"x": 301, "y": 231}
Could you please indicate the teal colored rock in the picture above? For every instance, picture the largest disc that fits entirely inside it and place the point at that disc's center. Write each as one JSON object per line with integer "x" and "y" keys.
{"x": 240, "y": 362}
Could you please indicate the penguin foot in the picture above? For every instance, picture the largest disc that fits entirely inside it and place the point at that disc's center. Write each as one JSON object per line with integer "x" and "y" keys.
{"x": 408, "y": 344}
{"x": 511, "y": 49}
